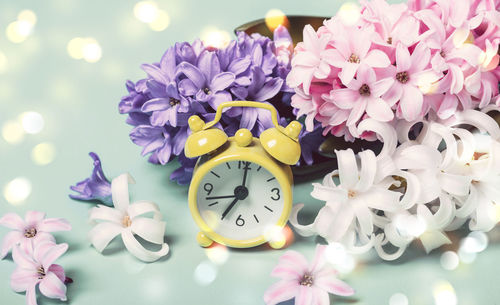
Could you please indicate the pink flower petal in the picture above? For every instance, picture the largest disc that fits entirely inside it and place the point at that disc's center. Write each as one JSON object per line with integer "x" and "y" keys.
{"x": 348, "y": 72}
{"x": 53, "y": 254}
{"x": 150, "y": 229}
{"x": 22, "y": 259}
{"x": 361, "y": 44}
{"x": 12, "y": 221}
{"x": 377, "y": 59}
{"x": 305, "y": 296}
{"x": 294, "y": 260}
{"x": 333, "y": 285}
{"x": 34, "y": 218}
{"x": 379, "y": 110}
{"x": 103, "y": 233}
{"x": 58, "y": 271}
{"x": 321, "y": 297}
{"x": 31, "y": 295}
{"x": 357, "y": 112}
{"x": 394, "y": 93}
{"x": 403, "y": 60}
{"x": 287, "y": 272}
{"x": 344, "y": 98}
{"x": 306, "y": 59}
{"x": 54, "y": 225}
{"x": 366, "y": 75}
{"x": 52, "y": 287}
{"x": 334, "y": 58}
{"x": 12, "y": 238}
{"x": 280, "y": 292}
{"x": 319, "y": 259}
{"x": 411, "y": 103}
{"x": 41, "y": 248}
{"x": 419, "y": 58}
{"x": 22, "y": 279}
{"x": 311, "y": 38}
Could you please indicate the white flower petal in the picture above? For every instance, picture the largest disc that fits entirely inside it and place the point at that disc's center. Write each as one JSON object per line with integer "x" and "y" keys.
{"x": 137, "y": 250}
{"x": 103, "y": 233}
{"x": 142, "y": 207}
{"x": 119, "y": 191}
{"x": 368, "y": 170}
{"x": 149, "y": 229}
{"x": 386, "y": 133}
{"x": 478, "y": 119}
{"x": 348, "y": 168}
{"x": 304, "y": 230}
{"x": 105, "y": 213}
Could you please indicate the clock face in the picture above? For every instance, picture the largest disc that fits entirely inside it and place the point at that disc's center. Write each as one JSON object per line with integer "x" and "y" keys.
{"x": 240, "y": 200}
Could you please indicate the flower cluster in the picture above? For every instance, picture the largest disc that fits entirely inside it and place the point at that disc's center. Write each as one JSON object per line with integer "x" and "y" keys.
{"x": 414, "y": 190}
{"x": 34, "y": 250}
{"x": 194, "y": 79}
{"x": 397, "y": 62}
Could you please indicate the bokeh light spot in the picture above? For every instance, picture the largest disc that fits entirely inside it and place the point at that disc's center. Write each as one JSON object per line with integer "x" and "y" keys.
{"x": 161, "y": 22}
{"x": 32, "y": 122}
{"x": 217, "y": 253}
{"x": 92, "y": 51}
{"x": 275, "y": 18}
{"x": 349, "y": 13}
{"x": 13, "y": 132}
{"x": 43, "y": 153}
{"x": 336, "y": 254}
{"x": 28, "y": 16}
{"x": 84, "y": 48}
{"x": 146, "y": 11}
{"x": 13, "y": 32}
{"x": 205, "y": 273}
{"x": 17, "y": 190}
{"x": 75, "y": 47}
{"x": 3, "y": 62}
{"x": 215, "y": 38}
{"x": 444, "y": 294}
{"x": 398, "y": 299}
{"x": 449, "y": 260}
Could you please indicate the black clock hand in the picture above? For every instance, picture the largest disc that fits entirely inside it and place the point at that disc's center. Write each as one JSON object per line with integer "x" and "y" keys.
{"x": 220, "y": 197}
{"x": 245, "y": 169}
{"x": 231, "y": 205}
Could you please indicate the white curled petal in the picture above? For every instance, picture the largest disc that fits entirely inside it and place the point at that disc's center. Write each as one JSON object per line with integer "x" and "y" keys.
{"x": 385, "y": 131}
{"x": 105, "y": 213}
{"x": 350, "y": 243}
{"x": 368, "y": 170}
{"x": 103, "y": 233}
{"x": 149, "y": 229}
{"x": 412, "y": 191}
{"x": 143, "y": 207}
{"x": 348, "y": 168}
{"x": 364, "y": 218}
{"x": 119, "y": 191}
{"x": 326, "y": 193}
{"x": 395, "y": 238}
{"x": 334, "y": 224}
{"x": 478, "y": 119}
{"x": 457, "y": 185}
{"x": 304, "y": 230}
{"x": 381, "y": 252}
{"x": 385, "y": 167}
{"x": 381, "y": 199}
{"x": 450, "y": 153}
{"x": 417, "y": 157}
{"x": 433, "y": 239}
{"x": 466, "y": 144}
{"x": 137, "y": 250}
{"x": 469, "y": 204}
{"x": 485, "y": 219}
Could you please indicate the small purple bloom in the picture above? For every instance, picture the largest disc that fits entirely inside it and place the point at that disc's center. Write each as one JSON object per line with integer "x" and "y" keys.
{"x": 184, "y": 173}
{"x": 96, "y": 187}
{"x": 138, "y": 95}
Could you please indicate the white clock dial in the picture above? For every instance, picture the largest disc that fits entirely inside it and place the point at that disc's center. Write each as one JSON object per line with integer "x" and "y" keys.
{"x": 240, "y": 200}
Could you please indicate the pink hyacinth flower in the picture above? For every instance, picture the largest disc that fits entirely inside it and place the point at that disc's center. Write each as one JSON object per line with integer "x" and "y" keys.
{"x": 309, "y": 105}
{"x": 363, "y": 94}
{"x": 352, "y": 53}
{"x": 33, "y": 229}
{"x": 309, "y": 284}
{"x": 36, "y": 267}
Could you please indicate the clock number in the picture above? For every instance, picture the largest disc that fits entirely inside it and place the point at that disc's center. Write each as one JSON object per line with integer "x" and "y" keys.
{"x": 240, "y": 222}
{"x": 277, "y": 195}
{"x": 208, "y": 187}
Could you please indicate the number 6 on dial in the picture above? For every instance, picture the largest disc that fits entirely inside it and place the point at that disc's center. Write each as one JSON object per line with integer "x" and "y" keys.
{"x": 241, "y": 191}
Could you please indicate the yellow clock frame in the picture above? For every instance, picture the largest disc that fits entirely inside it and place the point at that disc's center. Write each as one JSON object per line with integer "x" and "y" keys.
{"x": 276, "y": 150}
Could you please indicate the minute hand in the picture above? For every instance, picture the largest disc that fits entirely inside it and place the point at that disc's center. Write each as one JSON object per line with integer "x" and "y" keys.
{"x": 220, "y": 197}
{"x": 231, "y": 205}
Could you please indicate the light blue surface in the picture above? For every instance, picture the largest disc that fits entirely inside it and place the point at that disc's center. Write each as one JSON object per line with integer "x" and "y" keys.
{"x": 79, "y": 103}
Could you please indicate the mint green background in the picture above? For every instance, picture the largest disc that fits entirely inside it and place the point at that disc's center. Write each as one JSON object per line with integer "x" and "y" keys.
{"x": 79, "y": 103}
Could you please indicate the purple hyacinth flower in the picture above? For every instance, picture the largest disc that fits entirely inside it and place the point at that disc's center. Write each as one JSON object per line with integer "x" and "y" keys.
{"x": 138, "y": 95}
{"x": 206, "y": 82}
{"x": 184, "y": 173}
{"x": 310, "y": 142}
{"x": 96, "y": 187}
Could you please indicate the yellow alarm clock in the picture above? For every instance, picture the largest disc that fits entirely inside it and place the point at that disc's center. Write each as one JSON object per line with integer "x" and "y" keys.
{"x": 241, "y": 191}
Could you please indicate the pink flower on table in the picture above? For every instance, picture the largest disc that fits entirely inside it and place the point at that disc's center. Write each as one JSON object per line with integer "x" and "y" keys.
{"x": 36, "y": 267}
{"x": 363, "y": 94}
{"x": 409, "y": 74}
{"x": 309, "y": 60}
{"x": 309, "y": 284}
{"x": 33, "y": 229}
{"x": 352, "y": 51}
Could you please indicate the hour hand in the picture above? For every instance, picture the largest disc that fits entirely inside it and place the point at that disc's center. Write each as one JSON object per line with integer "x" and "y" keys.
{"x": 220, "y": 197}
{"x": 231, "y": 205}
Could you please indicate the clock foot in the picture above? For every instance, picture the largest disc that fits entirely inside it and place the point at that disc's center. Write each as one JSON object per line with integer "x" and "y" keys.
{"x": 278, "y": 244}
{"x": 282, "y": 240}
{"x": 203, "y": 240}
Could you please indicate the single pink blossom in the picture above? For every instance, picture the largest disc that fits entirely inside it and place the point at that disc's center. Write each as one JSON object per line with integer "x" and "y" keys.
{"x": 309, "y": 60}
{"x": 309, "y": 284}
{"x": 33, "y": 229}
{"x": 363, "y": 94}
{"x": 352, "y": 49}
{"x": 309, "y": 104}
{"x": 36, "y": 267}
{"x": 409, "y": 74}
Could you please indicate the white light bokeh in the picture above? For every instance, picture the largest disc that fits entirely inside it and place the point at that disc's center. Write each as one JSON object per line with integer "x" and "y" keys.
{"x": 146, "y": 11}
{"x": 398, "y": 299}
{"x": 75, "y": 47}
{"x": 475, "y": 242}
{"x": 84, "y": 48}
{"x": 217, "y": 253}
{"x": 17, "y": 31}
{"x": 410, "y": 225}
{"x": 205, "y": 273}
{"x": 43, "y": 153}
{"x": 161, "y": 22}
{"x": 92, "y": 51}
{"x": 349, "y": 13}
{"x": 13, "y": 132}
{"x": 17, "y": 190}
{"x": 3, "y": 63}
{"x": 28, "y": 16}
{"x": 444, "y": 294}
{"x": 449, "y": 260}
{"x": 336, "y": 255}
{"x": 215, "y": 38}
{"x": 32, "y": 122}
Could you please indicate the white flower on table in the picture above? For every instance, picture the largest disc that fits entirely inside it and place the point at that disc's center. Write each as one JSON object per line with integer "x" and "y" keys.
{"x": 128, "y": 220}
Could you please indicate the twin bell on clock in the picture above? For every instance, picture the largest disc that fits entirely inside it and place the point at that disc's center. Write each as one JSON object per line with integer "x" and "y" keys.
{"x": 241, "y": 192}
